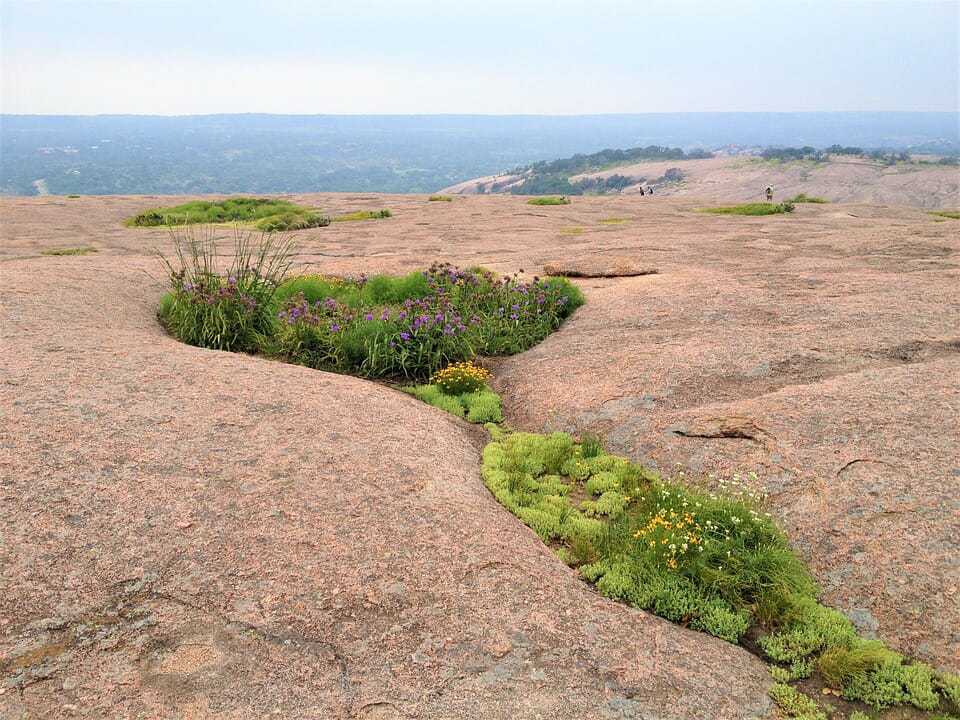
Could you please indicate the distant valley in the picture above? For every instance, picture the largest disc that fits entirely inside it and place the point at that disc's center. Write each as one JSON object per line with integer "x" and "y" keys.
{"x": 159, "y": 155}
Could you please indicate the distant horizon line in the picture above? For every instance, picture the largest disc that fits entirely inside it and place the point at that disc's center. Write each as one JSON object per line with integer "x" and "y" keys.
{"x": 489, "y": 115}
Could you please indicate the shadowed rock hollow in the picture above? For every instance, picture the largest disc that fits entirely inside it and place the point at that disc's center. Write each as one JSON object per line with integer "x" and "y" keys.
{"x": 201, "y": 534}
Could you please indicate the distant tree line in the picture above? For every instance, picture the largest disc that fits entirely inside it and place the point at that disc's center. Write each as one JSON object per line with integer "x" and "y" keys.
{"x": 881, "y": 155}
{"x": 597, "y": 161}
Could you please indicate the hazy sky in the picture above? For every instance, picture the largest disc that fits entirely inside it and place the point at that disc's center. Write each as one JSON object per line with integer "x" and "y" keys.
{"x": 598, "y": 56}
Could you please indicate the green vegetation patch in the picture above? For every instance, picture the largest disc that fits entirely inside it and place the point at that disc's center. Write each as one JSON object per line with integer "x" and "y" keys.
{"x": 229, "y": 309}
{"x": 571, "y": 231}
{"x": 356, "y": 292}
{"x": 795, "y": 704}
{"x": 712, "y": 562}
{"x": 265, "y": 214}
{"x": 803, "y": 198}
{"x": 416, "y": 324}
{"x": 441, "y": 198}
{"x": 82, "y": 250}
{"x": 479, "y": 406}
{"x": 761, "y": 208}
{"x": 363, "y": 215}
{"x": 549, "y": 200}
{"x": 613, "y": 221}
{"x": 952, "y": 214}
{"x": 72, "y": 197}
{"x": 382, "y": 326}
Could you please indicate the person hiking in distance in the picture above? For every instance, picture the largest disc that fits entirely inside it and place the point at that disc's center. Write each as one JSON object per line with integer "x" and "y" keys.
{"x": 769, "y": 193}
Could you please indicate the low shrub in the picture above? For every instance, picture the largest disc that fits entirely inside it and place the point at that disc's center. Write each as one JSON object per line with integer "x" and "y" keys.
{"x": 72, "y": 197}
{"x": 441, "y": 198}
{"x": 363, "y": 215}
{"x": 82, "y": 250}
{"x": 461, "y": 377}
{"x": 266, "y": 214}
{"x": 761, "y": 208}
{"x": 613, "y": 221}
{"x": 952, "y": 214}
{"x": 231, "y": 309}
{"x": 803, "y": 198}
{"x": 549, "y": 200}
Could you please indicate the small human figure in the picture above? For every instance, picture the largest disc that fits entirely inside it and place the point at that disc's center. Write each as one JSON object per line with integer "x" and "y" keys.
{"x": 641, "y": 191}
{"x": 769, "y": 193}
{"x": 650, "y": 189}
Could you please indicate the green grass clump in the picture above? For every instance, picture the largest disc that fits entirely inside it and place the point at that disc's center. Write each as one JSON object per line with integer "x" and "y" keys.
{"x": 357, "y": 293}
{"x": 952, "y": 214}
{"x": 571, "y": 231}
{"x": 264, "y": 213}
{"x": 441, "y": 198}
{"x": 73, "y": 197}
{"x": 761, "y": 208}
{"x": 363, "y": 215}
{"x": 549, "y": 200}
{"x": 795, "y": 704}
{"x": 82, "y": 250}
{"x": 229, "y": 309}
{"x": 480, "y": 406}
{"x": 613, "y": 221}
{"x": 803, "y": 198}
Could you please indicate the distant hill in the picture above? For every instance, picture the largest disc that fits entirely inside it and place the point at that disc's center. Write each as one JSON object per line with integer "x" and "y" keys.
{"x": 125, "y": 154}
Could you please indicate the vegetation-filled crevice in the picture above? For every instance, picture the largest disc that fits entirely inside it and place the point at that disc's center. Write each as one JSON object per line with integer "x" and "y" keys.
{"x": 708, "y": 558}
{"x": 383, "y": 326}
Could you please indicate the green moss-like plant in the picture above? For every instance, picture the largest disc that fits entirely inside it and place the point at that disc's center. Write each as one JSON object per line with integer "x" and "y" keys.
{"x": 951, "y": 214}
{"x": 795, "y": 704}
{"x": 440, "y": 198}
{"x": 714, "y": 564}
{"x": 480, "y": 407}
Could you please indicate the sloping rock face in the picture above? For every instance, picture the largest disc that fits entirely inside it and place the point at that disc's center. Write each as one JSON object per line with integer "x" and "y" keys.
{"x": 196, "y": 534}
